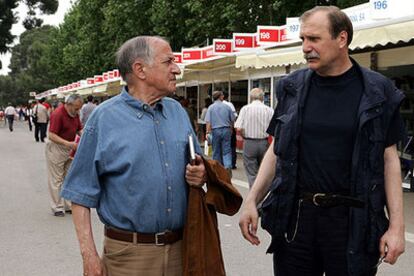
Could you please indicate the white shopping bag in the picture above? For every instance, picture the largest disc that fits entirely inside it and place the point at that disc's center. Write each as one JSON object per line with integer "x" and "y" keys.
{"x": 206, "y": 151}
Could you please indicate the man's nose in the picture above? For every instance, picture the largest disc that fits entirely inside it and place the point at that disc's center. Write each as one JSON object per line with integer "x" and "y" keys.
{"x": 176, "y": 69}
{"x": 306, "y": 46}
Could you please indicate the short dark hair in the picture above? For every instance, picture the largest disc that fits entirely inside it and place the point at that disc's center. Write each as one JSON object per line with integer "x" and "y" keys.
{"x": 338, "y": 20}
{"x": 90, "y": 98}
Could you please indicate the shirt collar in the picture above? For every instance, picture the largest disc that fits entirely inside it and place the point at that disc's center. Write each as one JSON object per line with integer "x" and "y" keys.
{"x": 140, "y": 106}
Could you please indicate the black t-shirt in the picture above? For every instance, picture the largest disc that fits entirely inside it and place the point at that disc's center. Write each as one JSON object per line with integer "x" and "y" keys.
{"x": 329, "y": 127}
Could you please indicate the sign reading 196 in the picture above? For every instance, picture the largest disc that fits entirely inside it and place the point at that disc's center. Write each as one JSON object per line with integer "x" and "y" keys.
{"x": 380, "y": 5}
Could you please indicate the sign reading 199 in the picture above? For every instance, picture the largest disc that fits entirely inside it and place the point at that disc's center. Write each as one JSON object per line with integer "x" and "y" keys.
{"x": 380, "y": 5}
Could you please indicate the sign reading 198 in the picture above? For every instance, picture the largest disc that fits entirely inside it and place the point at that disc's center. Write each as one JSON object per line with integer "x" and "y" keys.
{"x": 380, "y": 5}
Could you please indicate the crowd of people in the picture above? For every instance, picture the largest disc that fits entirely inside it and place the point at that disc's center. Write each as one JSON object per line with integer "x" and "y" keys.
{"x": 329, "y": 171}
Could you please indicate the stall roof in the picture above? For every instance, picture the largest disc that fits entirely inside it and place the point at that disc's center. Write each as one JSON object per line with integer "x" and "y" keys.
{"x": 382, "y": 35}
{"x": 370, "y": 36}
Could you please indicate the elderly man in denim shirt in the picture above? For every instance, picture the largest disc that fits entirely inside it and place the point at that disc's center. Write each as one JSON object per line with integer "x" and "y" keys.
{"x": 132, "y": 165}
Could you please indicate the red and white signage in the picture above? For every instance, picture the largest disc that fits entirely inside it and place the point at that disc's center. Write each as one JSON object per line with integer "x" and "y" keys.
{"x": 111, "y": 75}
{"x": 178, "y": 58}
{"x": 105, "y": 76}
{"x": 191, "y": 54}
{"x": 98, "y": 79}
{"x": 207, "y": 52}
{"x": 283, "y": 34}
{"x": 223, "y": 46}
{"x": 116, "y": 73}
{"x": 268, "y": 34}
{"x": 243, "y": 41}
{"x": 90, "y": 81}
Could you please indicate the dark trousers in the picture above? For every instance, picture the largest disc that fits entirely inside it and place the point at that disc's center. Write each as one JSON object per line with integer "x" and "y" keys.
{"x": 319, "y": 246}
{"x": 29, "y": 121}
{"x": 233, "y": 149}
{"x": 40, "y": 128}
{"x": 10, "y": 120}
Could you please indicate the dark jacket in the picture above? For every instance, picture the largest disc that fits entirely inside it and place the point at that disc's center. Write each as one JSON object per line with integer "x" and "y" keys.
{"x": 379, "y": 101}
{"x": 201, "y": 241}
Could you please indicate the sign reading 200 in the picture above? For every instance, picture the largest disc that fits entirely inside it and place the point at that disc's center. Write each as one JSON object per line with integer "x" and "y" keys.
{"x": 380, "y": 5}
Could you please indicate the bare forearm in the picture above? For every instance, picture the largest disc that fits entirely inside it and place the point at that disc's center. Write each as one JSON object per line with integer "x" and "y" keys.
{"x": 393, "y": 190}
{"x": 208, "y": 127}
{"x": 58, "y": 140}
{"x": 82, "y": 220}
{"x": 264, "y": 177}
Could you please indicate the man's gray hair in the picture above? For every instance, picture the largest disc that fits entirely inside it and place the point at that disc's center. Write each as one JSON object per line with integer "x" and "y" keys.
{"x": 73, "y": 98}
{"x": 135, "y": 48}
{"x": 256, "y": 94}
{"x": 217, "y": 94}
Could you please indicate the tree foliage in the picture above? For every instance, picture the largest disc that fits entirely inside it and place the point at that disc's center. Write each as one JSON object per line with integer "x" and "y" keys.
{"x": 30, "y": 68}
{"x": 8, "y": 17}
{"x": 85, "y": 43}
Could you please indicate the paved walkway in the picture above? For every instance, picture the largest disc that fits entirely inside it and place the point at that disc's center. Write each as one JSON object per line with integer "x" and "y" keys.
{"x": 33, "y": 242}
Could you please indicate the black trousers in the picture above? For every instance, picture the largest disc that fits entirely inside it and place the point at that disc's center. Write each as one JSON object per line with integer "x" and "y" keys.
{"x": 233, "y": 148}
{"x": 319, "y": 246}
{"x": 10, "y": 120}
{"x": 40, "y": 128}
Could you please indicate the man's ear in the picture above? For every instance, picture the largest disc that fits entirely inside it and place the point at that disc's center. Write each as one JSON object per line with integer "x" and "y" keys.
{"x": 138, "y": 69}
{"x": 343, "y": 39}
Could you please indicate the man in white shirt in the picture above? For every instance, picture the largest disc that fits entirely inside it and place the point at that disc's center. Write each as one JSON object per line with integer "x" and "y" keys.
{"x": 252, "y": 122}
{"x": 10, "y": 113}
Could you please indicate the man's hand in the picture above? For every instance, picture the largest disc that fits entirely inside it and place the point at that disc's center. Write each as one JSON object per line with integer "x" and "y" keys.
{"x": 92, "y": 265}
{"x": 392, "y": 245}
{"x": 248, "y": 222}
{"x": 196, "y": 174}
{"x": 72, "y": 145}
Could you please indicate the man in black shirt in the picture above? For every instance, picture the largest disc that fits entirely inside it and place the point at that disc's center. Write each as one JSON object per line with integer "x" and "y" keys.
{"x": 335, "y": 132}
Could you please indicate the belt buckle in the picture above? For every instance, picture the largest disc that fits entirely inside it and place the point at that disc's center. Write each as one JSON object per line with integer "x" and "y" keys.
{"x": 157, "y": 236}
{"x": 315, "y": 196}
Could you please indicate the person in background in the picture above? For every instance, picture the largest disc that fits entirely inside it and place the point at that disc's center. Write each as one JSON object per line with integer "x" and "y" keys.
{"x": 41, "y": 117}
{"x": 220, "y": 119}
{"x": 87, "y": 110}
{"x": 64, "y": 125}
{"x": 10, "y": 113}
{"x": 207, "y": 103}
{"x": 333, "y": 166}
{"x": 190, "y": 112}
{"x": 29, "y": 115}
{"x": 252, "y": 123}
{"x": 233, "y": 133}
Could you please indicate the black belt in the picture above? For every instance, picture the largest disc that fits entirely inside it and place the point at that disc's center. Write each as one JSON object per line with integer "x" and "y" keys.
{"x": 331, "y": 200}
{"x": 257, "y": 139}
{"x": 162, "y": 238}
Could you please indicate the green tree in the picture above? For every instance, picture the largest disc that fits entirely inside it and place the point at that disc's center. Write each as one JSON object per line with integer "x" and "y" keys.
{"x": 93, "y": 30}
{"x": 8, "y": 17}
{"x": 30, "y": 68}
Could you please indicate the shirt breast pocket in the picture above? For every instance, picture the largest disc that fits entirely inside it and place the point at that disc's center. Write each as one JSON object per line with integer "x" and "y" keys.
{"x": 182, "y": 152}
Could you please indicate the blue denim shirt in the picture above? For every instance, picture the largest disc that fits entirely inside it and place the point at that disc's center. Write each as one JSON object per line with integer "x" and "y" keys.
{"x": 130, "y": 164}
{"x": 219, "y": 115}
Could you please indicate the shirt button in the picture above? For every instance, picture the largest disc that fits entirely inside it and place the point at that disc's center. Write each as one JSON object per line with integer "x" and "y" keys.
{"x": 145, "y": 106}
{"x": 162, "y": 142}
{"x": 157, "y": 122}
{"x": 166, "y": 164}
{"x": 169, "y": 188}
{"x": 169, "y": 210}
